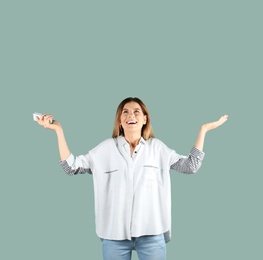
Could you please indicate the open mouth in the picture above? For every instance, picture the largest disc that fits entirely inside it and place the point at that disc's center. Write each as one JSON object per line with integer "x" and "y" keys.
{"x": 131, "y": 122}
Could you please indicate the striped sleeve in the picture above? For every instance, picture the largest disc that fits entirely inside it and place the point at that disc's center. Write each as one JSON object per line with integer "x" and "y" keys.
{"x": 76, "y": 165}
{"x": 189, "y": 164}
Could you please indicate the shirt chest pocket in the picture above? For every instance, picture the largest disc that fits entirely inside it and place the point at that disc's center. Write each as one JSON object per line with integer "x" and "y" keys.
{"x": 152, "y": 174}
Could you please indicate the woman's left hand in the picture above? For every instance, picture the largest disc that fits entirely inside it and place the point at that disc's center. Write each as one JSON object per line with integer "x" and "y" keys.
{"x": 213, "y": 125}
{"x": 207, "y": 127}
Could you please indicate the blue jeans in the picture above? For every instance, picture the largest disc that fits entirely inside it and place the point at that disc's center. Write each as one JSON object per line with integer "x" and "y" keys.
{"x": 147, "y": 248}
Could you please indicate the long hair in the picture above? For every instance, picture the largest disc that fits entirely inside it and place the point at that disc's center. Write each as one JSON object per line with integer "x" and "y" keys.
{"x": 147, "y": 131}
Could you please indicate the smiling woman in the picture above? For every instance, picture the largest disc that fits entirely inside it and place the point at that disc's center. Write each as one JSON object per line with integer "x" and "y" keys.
{"x": 131, "y": 176}
{"x": 133, "y": 110}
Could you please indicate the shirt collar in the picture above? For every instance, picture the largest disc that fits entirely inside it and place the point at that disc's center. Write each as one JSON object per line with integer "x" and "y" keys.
{"x": 122, "y": 141}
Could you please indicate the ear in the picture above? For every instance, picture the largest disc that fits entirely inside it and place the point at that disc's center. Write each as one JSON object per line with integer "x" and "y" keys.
{"x": 145, "y": 120}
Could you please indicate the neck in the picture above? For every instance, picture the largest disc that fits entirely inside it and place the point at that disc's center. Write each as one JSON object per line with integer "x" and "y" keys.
{"x": 133, "y": 140}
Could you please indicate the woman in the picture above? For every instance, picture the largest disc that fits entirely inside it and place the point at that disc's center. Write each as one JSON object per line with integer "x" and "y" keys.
{"x": 131, "y": 181}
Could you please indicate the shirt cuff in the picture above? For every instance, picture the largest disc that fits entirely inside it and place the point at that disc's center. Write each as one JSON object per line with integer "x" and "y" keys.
{"x": 197, "y": 153}
{"x": 69, "y": 160}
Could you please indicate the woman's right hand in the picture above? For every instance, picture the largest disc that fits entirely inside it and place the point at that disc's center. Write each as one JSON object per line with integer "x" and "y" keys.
{"x": 44, "y": 121}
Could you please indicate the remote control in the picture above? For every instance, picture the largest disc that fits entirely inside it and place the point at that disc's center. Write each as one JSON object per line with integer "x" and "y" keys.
{"x": 39, "y": 115}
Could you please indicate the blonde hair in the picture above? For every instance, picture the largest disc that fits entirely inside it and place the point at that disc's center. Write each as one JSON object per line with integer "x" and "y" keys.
{"x": 147, "y": 131}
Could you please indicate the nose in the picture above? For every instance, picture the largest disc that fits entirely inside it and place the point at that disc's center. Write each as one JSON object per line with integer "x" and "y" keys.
{"x": 131, "y": 114}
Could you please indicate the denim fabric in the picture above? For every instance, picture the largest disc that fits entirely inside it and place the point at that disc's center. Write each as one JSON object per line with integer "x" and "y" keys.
{"x": 147, "y": 248}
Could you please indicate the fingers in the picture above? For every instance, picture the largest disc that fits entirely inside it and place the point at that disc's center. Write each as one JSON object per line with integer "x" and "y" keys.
{"x": 45, "y": 120}
{"x": 41, "y": 118}
{"x": 49, "y": 119}
{"x": 223, "y": 119}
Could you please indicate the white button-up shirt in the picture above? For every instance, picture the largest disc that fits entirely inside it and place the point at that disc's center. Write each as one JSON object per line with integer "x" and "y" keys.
{"x": 132, "y": 193}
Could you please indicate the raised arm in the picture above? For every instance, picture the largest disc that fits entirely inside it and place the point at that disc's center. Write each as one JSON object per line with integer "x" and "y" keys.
{"x": 56, "y": 126}
{"x": 207, "y": 127}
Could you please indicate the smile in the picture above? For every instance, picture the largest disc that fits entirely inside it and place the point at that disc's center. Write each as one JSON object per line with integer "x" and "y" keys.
{"x": 131, "y": 122}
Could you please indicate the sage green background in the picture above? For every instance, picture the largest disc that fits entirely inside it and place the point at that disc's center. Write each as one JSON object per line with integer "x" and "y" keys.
{"x": 189, "y": 61}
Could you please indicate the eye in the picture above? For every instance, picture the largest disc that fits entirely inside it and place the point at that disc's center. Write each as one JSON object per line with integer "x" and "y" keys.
{"x": 124, "y": 111}
{"x": 136, "y": 111}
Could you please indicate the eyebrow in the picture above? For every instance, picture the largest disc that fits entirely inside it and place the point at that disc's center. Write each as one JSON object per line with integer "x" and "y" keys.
{"x": 131, "y": 109}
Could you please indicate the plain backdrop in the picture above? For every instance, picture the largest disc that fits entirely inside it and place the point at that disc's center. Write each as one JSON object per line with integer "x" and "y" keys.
{"x": 189, "y": 61}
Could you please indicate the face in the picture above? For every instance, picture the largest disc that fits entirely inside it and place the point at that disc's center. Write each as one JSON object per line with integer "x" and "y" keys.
{"x": 132, "y": 118}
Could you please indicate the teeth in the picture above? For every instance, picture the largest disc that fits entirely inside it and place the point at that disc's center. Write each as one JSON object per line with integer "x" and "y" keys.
{"x": 131, "y": 122}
